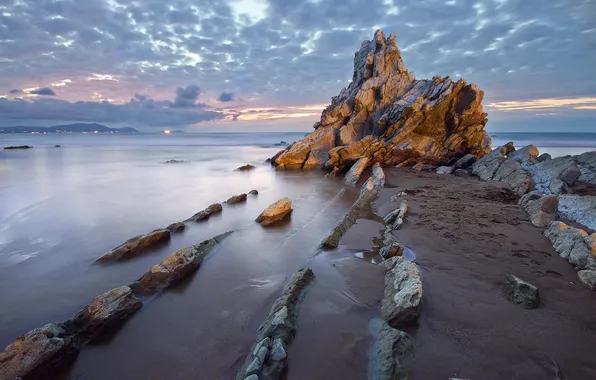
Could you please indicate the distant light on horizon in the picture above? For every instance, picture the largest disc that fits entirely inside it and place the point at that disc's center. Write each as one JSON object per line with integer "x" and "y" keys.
{"x": 167, "y": 131}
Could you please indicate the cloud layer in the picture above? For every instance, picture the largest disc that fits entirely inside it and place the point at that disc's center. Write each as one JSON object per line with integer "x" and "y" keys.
{"x": 148, "y": 63}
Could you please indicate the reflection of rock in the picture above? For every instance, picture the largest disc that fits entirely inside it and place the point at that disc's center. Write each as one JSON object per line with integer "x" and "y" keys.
{"x": 244, "y": 168}
{"x": 276, "y": 212}
{"x": 136, "y": 245}
{"x": 580, "y": 209}
{"x": 18, "y": 147}
{"x": 403, "y": 292}
{"x": 206, "y": 213}
{"x": 236, "y": 199}
{"x": 390, "y": 347}
{"x": 389, "y": 117}
{"x": 267, "y": 357}
{"x": 176, "y": 266}
{"x": 522, "y": 293}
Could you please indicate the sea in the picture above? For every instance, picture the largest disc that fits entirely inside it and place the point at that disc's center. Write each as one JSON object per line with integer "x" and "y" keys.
{"x": 62, "y": 207}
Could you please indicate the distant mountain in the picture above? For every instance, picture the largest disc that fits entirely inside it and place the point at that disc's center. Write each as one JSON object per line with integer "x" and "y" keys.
{"x": 75, "y": 128}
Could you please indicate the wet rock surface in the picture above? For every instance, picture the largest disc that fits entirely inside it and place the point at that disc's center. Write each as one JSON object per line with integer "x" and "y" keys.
{"x": 236, "y": 199}
{"x": 390, "y": 347}
{"x": 387, "y": 115}
{"x": 353, "y": 175}
{"x": 522, "y": 293}
{"x": 176, "y": 266}
{"x": 268, "y": 356}
{"x": 136, "y": 245}
{"x": 176, "y": 227}
{"x": 205, "y": 214}
{"x": 245, "y": 168}
{"x": 276, "y": 212}
{"x": 403, "y": 292}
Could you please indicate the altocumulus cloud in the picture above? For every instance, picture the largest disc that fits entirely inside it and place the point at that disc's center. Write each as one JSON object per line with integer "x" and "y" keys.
{"x": 279, "y": 53}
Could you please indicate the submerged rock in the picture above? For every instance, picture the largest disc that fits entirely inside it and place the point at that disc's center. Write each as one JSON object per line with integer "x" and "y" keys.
{"x": 236, "y": 199}
{"x": 353, "y": 175}
{"x": 267, "y": 357}
{"x": 176, "y": 266}
{"x": 200, "y": 216}
{"x": 522, "y": 293}
{"x": 588, "y": 278}
{"x": 387, "y": 115}
{"x": 136, "y": 245}
{"x": 246, "y": 167}
{"x": 276, "y": 212}
{"x": 40, "y": 354}
{"x": 105, "y": 311}
{"x": 17, "y": 147}
{"x": 403, "y": 292}
{"x": 390, "y": 347}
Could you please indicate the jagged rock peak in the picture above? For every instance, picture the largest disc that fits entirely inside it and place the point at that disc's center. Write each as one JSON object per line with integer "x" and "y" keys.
{"x": 389, "y": 116}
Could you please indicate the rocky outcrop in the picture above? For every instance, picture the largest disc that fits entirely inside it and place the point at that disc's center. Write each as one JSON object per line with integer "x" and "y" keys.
{"x": 368, "y": 192}
{"x": 353, "y": 175}
{"x": 267, "y": 357}
{"x": 403, "y": 292}
{"x": 387, "y": 115}
{"x": 136, "y": 245}
{"x": 579, "y": 209}
{"x": 522, "y": 293}
{"x": 573, "y": 244}
{"x": 176, "y": 266}
{"x": 390, "y": 346}
{"x": 276, "y": 212}
{"x": 245, "y": 168}
{"x": 237, "y": 199}
{"x": 43, "y": 352}
{"x": 205, "y": 214}
{"x": 542, "y": 209}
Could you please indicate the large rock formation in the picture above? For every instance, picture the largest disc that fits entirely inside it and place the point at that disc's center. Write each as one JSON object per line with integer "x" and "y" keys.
{"x": 389, "y": 116}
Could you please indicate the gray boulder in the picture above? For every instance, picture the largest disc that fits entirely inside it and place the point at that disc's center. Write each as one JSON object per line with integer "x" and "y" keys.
{"x": 512, "y": 172}
{"x": 522, "y": 293}
{"x": 527, "y": 155}
{"x": 136, "y": 245}
{"x": 588, "y": 278}
{"x": 542, "y": 209}
{"x": 353, "y": 175}
{"x": 579, "y": 209}
{"x": 275, "y": 212}
{"x": 487, "y": 166}
{"x": 237, "y": 199}
{"x": 466, "y": 161}
{"x": 176, "y": 227}
{"x": 556, "y": 175}
{"x": 176, "y": 266}
{"x": 205, "y": 214}
{"x": 403, "y": 292}
{"x": 390, "y": 347}
{"x": 445, "y": 169}
{"x": 587, "y": 160}
{"x": 461, "y": 173}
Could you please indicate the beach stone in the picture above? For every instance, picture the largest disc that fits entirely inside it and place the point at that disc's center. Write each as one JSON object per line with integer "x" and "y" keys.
{"x": 487, "y": 166}
{"x": 403, "y": 292}
{"x": 176, "y": 227}
{"x": 275, "y": 212}
{"x": 353, "y": 175}
{"x": 391, "y": 348}
{"x": 205, "y": 214}
{"x": 445, "y": 169}
{"x": 176, "y": 266}
{"x": 136, "y": 245}
{"x": 588, "y": 278}
{"x": 466, "y": 161}
{"x": 105, "y": 311}
{"x": 579, "y": 209}
{"x": 237, "y": 199}
{"x": 461, "y": 173}
{"x": 40, "y": 354}
{"x": 246, "y": 167}
{"x": 522, "y": 293}
{"x": 254, "y": 192}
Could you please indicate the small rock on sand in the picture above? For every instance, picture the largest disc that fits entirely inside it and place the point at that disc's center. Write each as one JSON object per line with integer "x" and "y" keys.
{"x": 237, "y": 199}
{"x": 522, "y": 293}
{"x": 403, "y": 292}
{"x": 244, "y": 168}
{"x": 588, "y": 278}
{"x": 276, "y": 212}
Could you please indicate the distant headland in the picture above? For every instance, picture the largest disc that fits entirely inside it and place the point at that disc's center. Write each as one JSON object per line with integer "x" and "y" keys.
{"x": 70, "y": 128}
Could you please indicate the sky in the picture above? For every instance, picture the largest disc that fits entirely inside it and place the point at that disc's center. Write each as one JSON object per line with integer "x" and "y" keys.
{"x": 244, "y": 65}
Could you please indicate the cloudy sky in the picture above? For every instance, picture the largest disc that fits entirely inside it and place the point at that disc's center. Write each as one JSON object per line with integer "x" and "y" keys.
{"x": 274, "y": 64}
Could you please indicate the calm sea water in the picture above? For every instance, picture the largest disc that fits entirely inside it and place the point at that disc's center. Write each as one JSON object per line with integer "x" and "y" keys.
{"x": 62, "y": 208}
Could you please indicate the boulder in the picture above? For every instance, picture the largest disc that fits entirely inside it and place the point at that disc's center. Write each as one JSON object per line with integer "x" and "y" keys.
{"x": 268, "y": 356}
{"x": 487, "y": 166}
{"x": 522, "y": 293}
{"x": 526, "y": 156}
{"x": 200, "y": 216}
{"x": 276, "y": 212}
{"x": 542, "y": 209}
{"x": 512, "y": 172}
{"x": 353, "y": 175}
{"x": 176, "y": 266}
{"x": 136, "y": 245}
{"x": 237, "y": 199}
{"x": 244, "y": 168}
{"x": 556, "y": 175}
{"x": 588, "y": 278}
{"x": 390, "y": 347}
{"x": 579, "y": 209}
{"x": 17, "y": 147}
{"x": 586, "y": 160}
{"x": 403, "y": 292}
{"x": 573, "y": 244}
{"x": 40, "y": 354}
{"x": 254, "y": 192}
{"x": 445, "y": 169}
{"x": 466, "y": 161}
{"x": 105, "y": 311}
{"x": 387, "y": 115}
{"x": 176, "y": 227}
